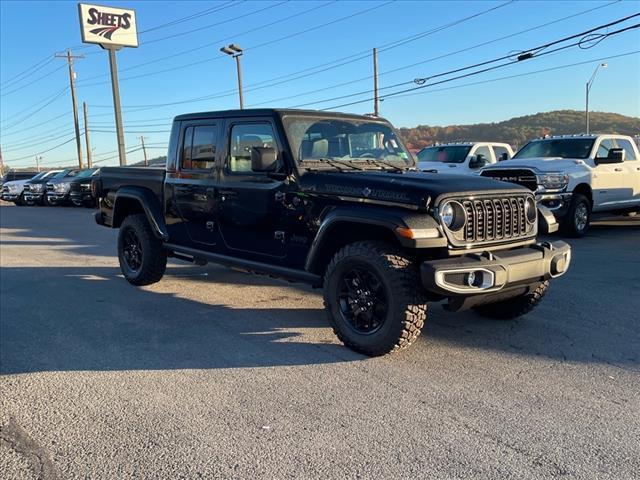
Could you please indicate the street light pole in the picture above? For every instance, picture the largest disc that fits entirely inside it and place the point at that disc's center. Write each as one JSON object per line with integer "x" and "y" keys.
{"x": 587, "y": 90}
{"x": 236, "y": 52}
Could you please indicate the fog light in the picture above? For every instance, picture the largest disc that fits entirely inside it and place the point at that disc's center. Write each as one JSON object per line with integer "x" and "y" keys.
{"x": 471, "y": 279}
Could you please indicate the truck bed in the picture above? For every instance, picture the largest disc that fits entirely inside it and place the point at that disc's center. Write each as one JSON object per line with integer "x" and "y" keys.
{"x": 112, "y": 178}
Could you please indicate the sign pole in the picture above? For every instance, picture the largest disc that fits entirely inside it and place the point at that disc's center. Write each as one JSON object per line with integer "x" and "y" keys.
{"x": 115, "y": 88}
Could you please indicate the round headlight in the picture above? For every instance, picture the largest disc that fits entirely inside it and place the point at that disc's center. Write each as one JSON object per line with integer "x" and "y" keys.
{"x": 447, "y": 215}
{"x": 452, "y": 215}
{"x": 530, "y": 210}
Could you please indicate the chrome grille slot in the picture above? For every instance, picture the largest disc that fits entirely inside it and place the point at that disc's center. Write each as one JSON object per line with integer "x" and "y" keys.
{"x": 489, "y": 220}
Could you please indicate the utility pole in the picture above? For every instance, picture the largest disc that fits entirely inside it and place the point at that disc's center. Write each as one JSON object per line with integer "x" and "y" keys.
{"x": 144, "y": 151}
{"x": 72, "y": 84}
{"x": 236, "y": 52}
{"x": 38, "y": 163}
{"x": 587, "y": 90}
{"x": 115, "y": 90}
{"x": 86, "y": 134}
{"x": 376, "y": 99}
{"x": 1, "y": 164}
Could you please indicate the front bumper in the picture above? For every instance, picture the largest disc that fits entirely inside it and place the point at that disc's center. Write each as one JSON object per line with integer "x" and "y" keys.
{"x": 556, "y": 203}
{"x": 54, "y": 197}
{"x": 10, "y": 197}
{"x": 490, "y": 272}
{"x": 31, "y": 197}
{"x": 78, "y": 198}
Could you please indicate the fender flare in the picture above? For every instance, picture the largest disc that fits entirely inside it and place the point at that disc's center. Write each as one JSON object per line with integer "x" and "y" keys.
{"x": 150, "y": 206}
{"x": 372, "y": 216}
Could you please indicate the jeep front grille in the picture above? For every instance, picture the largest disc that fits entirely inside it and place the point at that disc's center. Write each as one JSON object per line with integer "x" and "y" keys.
{"x": 521, "y": 176}
{"x": 494, "y": 219}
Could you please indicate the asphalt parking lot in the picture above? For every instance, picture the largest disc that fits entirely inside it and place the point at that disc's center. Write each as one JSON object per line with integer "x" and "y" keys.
{"x": 214, "y": 373}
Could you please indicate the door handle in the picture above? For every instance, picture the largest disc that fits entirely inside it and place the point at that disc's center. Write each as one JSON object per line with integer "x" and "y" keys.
{"x": 617, "y": 169}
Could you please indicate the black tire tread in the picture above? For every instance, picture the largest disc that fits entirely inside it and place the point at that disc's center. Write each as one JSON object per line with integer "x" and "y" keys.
{"x": 514, "y": 307}
{"x": 154, "y": 261}
{"x": 568, "y": 222}
{"x": 404, "y": 280}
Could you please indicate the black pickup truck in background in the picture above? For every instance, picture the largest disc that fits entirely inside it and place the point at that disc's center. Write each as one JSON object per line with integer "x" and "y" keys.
{"x": 333, "y": 200}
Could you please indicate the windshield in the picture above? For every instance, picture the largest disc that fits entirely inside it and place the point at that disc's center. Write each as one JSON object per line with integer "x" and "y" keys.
{"x": 557, "y": 148}
{"x": 85, "y": 173}
{"x": 39, "y": 176}
{"x": 358, "y": 141}
{"x": 449, "y": 154}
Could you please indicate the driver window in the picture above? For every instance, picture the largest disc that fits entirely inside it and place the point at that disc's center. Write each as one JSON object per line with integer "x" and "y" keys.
{"x": 483, "y": 156}
{"x": 605, "y": 146}
{"x": 245, "y": 136}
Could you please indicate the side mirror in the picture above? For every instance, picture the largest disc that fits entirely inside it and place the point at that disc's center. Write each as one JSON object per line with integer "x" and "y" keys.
{"x": 477, "y": 161}
{"x": 615, "y": 155}
{"x": 504, "y": 156}
{"x": 263, "y": 159}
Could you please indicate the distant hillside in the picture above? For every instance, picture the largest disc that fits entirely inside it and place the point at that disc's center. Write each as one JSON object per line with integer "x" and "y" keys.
{"x": 517, "y": 131}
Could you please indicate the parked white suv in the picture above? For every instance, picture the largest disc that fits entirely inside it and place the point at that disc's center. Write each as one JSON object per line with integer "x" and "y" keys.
{"x": 462, "y": 157}
{"x": 575, "y": 175}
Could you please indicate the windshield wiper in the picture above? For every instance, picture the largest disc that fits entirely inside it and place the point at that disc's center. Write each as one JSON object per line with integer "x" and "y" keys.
{"x": 375, "y": 161}
{"x": 335, "y": 163}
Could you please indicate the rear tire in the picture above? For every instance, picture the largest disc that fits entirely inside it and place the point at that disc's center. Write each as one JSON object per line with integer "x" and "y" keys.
{"x": 576, "y": 222}
{"x": 372, "y": 297}
{"x": 514, "y": 307}
{"x": 143, "y": 260}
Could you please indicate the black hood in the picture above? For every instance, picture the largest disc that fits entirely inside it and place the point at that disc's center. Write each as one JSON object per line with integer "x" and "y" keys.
{"x": 409, "y": 187}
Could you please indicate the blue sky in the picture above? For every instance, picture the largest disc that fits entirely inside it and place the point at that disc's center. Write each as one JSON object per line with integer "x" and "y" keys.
{"x": 301, "y": 53}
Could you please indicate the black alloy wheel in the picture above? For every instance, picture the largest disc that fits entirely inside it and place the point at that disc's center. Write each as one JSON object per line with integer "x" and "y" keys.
{"x": 363, "y": 300}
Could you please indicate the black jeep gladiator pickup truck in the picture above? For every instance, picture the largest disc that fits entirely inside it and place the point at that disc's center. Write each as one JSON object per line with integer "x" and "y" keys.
{"x": 333, "y": 200}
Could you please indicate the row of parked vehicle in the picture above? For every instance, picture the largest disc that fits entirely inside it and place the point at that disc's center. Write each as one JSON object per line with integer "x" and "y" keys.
{"x": 572, "y": 176}
{"x": 53, "y": 187}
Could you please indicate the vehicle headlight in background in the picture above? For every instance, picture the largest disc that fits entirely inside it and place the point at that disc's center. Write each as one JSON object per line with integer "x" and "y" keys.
{"x": 12, "y": 188}
{"x": 530, "y": 210}
{"x": 553, "y": 180}
{"x": 36, "y": 187}
{"x": 452, "y": 215}
{"x": 61, "y": 187}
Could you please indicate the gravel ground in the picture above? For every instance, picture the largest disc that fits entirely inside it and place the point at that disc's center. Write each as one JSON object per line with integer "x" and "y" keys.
{"x": 219, "y": 374}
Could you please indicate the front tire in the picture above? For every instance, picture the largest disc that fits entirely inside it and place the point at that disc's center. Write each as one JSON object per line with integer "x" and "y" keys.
{"x": 142, "y": 258}
{"x": 578, "y": 218}
{"x": 372, "y": 297}
{"x": 514, "y": 307}
{"x": 20, "y": 201}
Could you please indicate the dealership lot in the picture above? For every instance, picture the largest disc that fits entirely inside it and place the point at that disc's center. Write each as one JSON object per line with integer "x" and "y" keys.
{"x": 213, "y": 372}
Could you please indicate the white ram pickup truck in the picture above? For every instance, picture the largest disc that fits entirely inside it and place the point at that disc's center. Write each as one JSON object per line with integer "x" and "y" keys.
{"x": 462, "y": 157}
{"x": 575, "y": 175}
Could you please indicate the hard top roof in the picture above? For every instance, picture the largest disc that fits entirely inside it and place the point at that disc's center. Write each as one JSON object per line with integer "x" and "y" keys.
{"x": 264, "y": 112}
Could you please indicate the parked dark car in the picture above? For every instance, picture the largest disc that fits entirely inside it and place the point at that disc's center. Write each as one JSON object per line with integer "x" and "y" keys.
{"x": 333, "y": 200}
{"x": 34, "y": 189}
{"x": 80, "y": 190}
{"x": 59, "y": 188}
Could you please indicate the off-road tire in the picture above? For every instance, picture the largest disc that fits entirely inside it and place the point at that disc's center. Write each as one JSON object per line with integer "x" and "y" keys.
{"x": 514, "y": 307}
{"x": 154, "y": 256}
{"x": 407, "y": 307}
{"x": 569, "y": 222}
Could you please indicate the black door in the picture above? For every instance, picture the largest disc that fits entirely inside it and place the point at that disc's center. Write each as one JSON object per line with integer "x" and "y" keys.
{"x": 251, "y": 216}
{"x": 195, "y": 183}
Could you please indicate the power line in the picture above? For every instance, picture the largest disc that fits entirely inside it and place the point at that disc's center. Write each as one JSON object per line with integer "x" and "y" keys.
{"x": 270, "y": 42}
{"x": 34, "y": 68}
{"x": 53, "y": 99}
{"x": 526, "y": 54}
{"x": 331, "y": 65}
{"x": 48, "y": 150}
{"x": 549, "y": 69}
{"x": 33, "y": 81}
